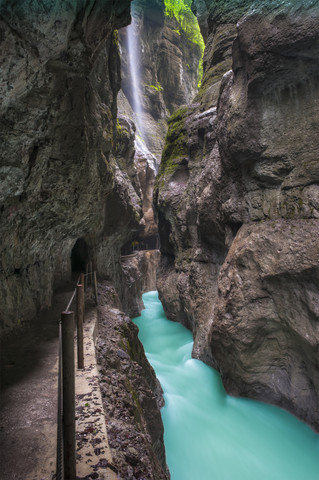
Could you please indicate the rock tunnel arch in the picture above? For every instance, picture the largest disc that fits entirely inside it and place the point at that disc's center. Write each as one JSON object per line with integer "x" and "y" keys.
{"x": 79, "y": 256}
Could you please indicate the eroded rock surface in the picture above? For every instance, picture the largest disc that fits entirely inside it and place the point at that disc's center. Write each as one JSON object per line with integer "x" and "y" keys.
{"x": 131, "y": 396}
{"x": 159, "y": 66}
{"x": 61, "y": 178}
{"x": 167, "y": 67}
{"x": 139, "y": 269}
{"x": 237, "y": 203}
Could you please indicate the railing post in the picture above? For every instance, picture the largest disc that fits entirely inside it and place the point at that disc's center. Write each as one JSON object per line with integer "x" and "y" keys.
{"x": 82, "y": 279}
{"x": 59, "y": 450}
{"x": 67, "y": 319}
{"x": 95, "y": 288}
{"x": 86, "y": 276}
{"x": 91, "y": 272}
{"x": 80, "y": 318}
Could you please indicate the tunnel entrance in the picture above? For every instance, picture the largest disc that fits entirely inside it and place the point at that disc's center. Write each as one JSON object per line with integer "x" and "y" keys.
{"x": 151, "y": 242}
{"x": 79, "y": 256}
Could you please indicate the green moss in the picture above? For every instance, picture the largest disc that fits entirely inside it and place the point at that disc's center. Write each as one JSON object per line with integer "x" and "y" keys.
{"x": 116, "y": 38}
{"x": 118, "y": 127}
{"x": 182, "y": 12}
{"x": 158, "y": 87}
{"x": 137, "y": 409}
{"x": 175, "y": 148}
{"x": 125, "y": 345}
{"x": 137, "y": 216}
{"x": 184, "y": 258}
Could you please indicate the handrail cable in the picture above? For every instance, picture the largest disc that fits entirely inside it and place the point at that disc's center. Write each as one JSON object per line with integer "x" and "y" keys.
{"x": 72, "y": 298}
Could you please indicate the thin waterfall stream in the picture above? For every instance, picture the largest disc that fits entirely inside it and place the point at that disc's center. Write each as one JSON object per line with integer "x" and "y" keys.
{"x": 133, "y": 48}
{"x": 208, "y": 434}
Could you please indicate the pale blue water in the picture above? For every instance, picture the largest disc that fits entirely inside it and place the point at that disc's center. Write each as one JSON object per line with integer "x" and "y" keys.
{"x": 210, "y": 435}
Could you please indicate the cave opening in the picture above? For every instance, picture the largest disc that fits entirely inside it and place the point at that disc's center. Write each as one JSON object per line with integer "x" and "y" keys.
{"x": 79, "y": 256}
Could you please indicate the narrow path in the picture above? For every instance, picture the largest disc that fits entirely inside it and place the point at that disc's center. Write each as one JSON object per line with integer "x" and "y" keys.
{"x": 93, "y": 451}
{"x": 28, "y": 403}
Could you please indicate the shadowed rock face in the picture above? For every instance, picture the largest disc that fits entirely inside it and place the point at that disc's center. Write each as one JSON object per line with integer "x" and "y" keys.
{"x": 60, "y": 179}
{"x": 131, "y": 395}
{"x": 238, "y": 208}
{"x": 265, "y": 332}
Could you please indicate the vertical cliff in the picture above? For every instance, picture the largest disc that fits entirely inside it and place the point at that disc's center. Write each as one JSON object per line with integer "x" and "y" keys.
{"x": 237, "y": 199}
{"x": 60, "y": 178}
{"x": 167, "y": 68}
{"x": 159, "y": 73}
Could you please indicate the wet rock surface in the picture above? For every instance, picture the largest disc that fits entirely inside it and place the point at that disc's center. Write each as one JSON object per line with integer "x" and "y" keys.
{"x": 60, "y": 178}
{"x": 265, "y": 333}
{"x": 140, "y": 270}
{"x": 167, "y": 64}
{"x": 131, "y": 397}
{"x": 236, "y": 198}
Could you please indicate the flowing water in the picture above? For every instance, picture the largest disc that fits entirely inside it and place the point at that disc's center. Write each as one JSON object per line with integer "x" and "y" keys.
{"x": 210, "y": 435}
{"x": 133, "y": 51}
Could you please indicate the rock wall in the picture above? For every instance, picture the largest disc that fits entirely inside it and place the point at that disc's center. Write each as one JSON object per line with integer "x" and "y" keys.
{"x": 167, "y": 70}
{"x": 140, "y": 271}
{"x": 237, "y": 198}
{"x": 131, "y": 395}
{"x": 61, "y": 178}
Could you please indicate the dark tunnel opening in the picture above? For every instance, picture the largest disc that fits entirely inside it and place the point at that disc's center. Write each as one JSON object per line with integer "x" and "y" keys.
{"x": 79, "y": 256}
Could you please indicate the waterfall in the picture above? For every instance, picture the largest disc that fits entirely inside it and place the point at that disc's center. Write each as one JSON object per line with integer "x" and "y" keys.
{"x": 133, "y": 51}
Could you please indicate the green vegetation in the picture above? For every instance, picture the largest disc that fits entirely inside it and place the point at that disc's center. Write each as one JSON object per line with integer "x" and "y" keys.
{"x": 181, "y": 10}
{"x": 158, "y": 87}
{"x": 118, "y": 127}
{"x": 175, "y": 148}
{"x": 116, "y": 37}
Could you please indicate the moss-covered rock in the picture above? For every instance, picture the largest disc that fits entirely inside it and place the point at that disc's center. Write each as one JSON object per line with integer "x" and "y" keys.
{"x": 175, "y": 148}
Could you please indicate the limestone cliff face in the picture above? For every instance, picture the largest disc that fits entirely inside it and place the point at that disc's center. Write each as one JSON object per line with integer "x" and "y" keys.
{"x": 60, "y": 174}
{"x": 165, "y": 77}
{"x": 167, "y": 65}
{"x": 238, "y": 209}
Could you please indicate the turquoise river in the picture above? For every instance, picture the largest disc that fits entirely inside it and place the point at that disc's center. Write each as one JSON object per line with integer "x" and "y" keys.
{"x": 210, "y": 435}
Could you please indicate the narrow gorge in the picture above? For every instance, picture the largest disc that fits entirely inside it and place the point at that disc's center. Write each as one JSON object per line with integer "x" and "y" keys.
{"x": 237, "y": 200}
{"x": 125, "y": 149}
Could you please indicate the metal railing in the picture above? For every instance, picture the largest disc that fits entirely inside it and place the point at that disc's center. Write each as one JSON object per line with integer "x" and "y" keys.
{"x": 66, "y": 443}
{"x": 59, "y": 449}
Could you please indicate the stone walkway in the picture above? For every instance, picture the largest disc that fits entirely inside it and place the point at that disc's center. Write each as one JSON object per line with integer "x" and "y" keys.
{"x": 28, "y": 404}
{"x": 93, "y": 451}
